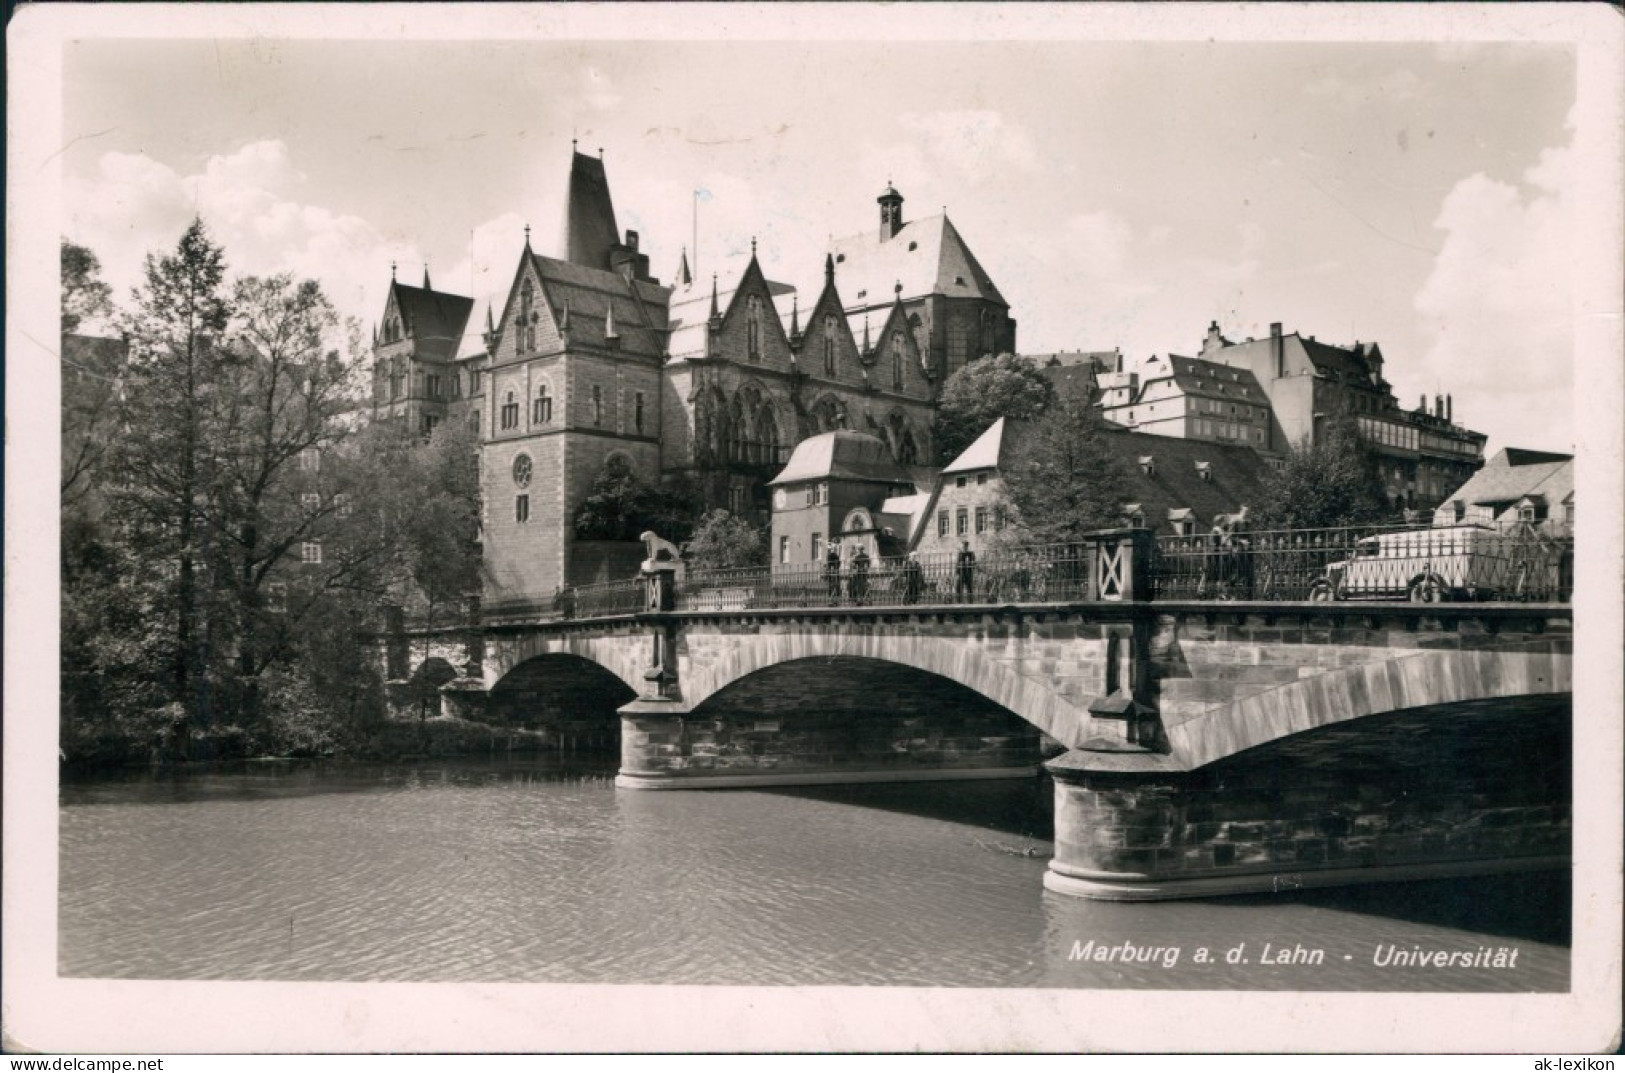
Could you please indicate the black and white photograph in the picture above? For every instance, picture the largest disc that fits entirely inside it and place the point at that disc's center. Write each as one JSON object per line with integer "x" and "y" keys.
{"x": 814, "y": 528}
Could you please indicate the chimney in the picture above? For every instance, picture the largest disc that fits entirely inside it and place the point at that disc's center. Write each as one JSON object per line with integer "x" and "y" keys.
{"x": 1277, "y": 349}
{"x": 1448, "y": 407}
{"x": 1438, "y": 406}
{"x": 1422, "y": 408}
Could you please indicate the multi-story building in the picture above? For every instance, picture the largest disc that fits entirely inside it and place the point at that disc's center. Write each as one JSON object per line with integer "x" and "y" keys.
{"x": 1517, "y": 485}
{"x": 705, "y": 384}
{"x": 1422, "y": 454}
{"x": 1189, "y": 398}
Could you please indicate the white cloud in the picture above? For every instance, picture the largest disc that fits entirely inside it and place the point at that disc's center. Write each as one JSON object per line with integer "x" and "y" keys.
{"x": 134, "y": 205}
{"x": 1498, "y": 304}
{"x": 977, "y": 144}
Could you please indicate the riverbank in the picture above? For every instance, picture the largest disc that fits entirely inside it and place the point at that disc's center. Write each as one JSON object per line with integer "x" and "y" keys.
{"x": 443, "y": 737}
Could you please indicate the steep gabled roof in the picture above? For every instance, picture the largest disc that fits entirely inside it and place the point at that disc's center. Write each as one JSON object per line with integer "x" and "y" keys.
{"x": 926, "y": 256}
{"x": 640, "y": 306}
{"x": 1514, "y": 473}
{"x": 690, "y": 306}
{"x": 984, "y": 453}
{"x": 434, "y": 319}
{"x": 1215, "y": 379}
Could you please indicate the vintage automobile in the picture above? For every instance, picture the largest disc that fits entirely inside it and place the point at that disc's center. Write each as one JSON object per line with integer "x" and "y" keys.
{"x": 1462, "y": 562}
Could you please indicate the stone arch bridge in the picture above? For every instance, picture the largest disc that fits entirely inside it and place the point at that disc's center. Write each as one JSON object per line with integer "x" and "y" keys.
{"x": 1196, "y": 747}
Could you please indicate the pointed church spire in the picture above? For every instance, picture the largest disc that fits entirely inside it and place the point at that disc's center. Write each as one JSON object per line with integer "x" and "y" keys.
{"x": 489, "y": 326}
{"x": 426, "y": 284}
{"x": 684, "y": 276}
{"x": 375, "y": 335}
{"x": 829, "y": 269}
{"x": 392, "y": 271}
{"x": 715, "y": 314}
{"x": 866, "y": 345}
{"x": 795, "y": 317}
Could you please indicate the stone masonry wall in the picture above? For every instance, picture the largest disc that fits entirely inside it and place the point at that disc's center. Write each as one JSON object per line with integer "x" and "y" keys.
{"x": 1482, "y": 781}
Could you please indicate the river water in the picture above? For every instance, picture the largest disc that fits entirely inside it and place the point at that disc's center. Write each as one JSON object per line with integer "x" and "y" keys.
{"x": 538, "y": 870}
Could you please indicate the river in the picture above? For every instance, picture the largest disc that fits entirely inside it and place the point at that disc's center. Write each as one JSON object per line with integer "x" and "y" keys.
{"x": 538, "y": 870}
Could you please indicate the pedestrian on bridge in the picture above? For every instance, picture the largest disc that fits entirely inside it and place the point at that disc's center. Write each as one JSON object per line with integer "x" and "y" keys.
{"x": 832, "y": 572}
{"x": 913, "y": 578}
{"x": 857, "y": 586}
{"x": 965, "y": 572}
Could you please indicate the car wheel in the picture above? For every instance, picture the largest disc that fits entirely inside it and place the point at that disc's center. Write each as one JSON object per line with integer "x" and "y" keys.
{"x": 1429, "y": 590}
{"x": 1321, "y": 592}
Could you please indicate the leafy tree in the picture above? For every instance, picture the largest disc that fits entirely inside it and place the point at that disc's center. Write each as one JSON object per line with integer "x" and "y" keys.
{"x": 622, "y": 506}
{"x": 984, "y": 391}
{"x": 1328, "y": 484}
{"x": 1061, "y": 476}
{"x": 86, "y": 300}
{"x": 722, "y": 541}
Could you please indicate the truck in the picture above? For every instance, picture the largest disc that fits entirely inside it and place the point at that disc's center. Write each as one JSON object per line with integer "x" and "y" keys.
{"x": 1461, "y": 562}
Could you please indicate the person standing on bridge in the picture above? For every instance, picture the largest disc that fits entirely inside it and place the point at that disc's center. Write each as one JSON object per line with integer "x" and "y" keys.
{"x": 858, "y": 584}
{"x": 832, "y": 572}
{"x": 913, "y": 578}
{"x": 965, "y": 572}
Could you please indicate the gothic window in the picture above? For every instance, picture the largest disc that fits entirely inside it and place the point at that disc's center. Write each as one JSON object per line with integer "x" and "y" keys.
{"x": 738, "y": 430}
{"x": 597, "y": 405}
{"x": 897, "y": 359}
{"x": 510, "y": 412}
{"x": 767, "y": 435}
{"x": 829, "y": 345}
{"x": 907, "y": 453}
{"x": 637, "y": 412}
{"x": 753, "y": 328}
{"x": 527, "y": 332}
{"x": 987, "y": 335}
{"x": 541, "y": 409}
{"x": 921, "y": 343}
{"x": 395, "y": 379}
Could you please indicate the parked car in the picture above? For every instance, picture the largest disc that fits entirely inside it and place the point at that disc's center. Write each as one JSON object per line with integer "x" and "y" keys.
{"x": 1462, "y": 562}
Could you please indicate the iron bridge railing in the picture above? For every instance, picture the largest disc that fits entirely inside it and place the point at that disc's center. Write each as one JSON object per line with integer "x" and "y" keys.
{"x": 1361, "y": 563}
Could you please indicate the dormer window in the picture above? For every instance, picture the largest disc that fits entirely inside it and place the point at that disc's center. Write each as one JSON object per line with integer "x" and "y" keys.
{"x": 1134, "y": 515}
{"x": 960, "y": 280}
{"x": 1148, "y": 465}
{"x": 1204, "y": 470}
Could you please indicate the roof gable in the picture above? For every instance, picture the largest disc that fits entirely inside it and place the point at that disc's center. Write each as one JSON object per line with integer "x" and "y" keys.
{"x": 926, "y": 256}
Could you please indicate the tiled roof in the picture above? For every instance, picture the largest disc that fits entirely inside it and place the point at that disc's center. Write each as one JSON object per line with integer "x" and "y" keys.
{"x": 1235, "y": 475}
{"x": 640, "y": 306}
{"x": 1213, "y": 379}
{"x": 926, "y": 256}
{"x": 436, "y": 319}
{"x": 1512, "y": 474}
{"x": 690, "y": 306}
{"x": 842, "y": 454}
{"x": 984, "y": 453}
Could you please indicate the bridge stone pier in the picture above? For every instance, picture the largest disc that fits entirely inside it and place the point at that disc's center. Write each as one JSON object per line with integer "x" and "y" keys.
{"x": 1196, "y": 748}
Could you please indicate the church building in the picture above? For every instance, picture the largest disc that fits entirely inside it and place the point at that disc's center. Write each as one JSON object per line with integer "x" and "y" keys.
{"x": 705, "y": 384}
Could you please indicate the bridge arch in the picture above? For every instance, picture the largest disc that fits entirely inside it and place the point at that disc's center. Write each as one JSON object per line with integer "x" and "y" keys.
{"x": 1422, "y": 680}
{"x": 1031, "y": 698}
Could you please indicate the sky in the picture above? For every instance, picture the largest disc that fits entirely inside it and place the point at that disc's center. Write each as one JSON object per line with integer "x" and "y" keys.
{"x": 1120, "y": 194}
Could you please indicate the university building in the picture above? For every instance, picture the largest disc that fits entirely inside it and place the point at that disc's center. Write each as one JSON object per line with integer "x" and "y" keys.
{"x": 705, "y": 383}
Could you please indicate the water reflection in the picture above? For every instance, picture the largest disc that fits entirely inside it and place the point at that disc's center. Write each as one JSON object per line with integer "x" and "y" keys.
{"x": 538, "y": 870}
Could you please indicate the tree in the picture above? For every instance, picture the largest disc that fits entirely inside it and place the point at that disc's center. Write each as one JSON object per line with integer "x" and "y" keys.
{"x": 164, "y": 467}
{"x": 981, "y": 393}
{"x": 722, "y": 541}
{"x": 622, "y": 507}
{"x": 86, "y": 300}
{"x": 1324, "y": 485}
{"x": 1061, "y": 476}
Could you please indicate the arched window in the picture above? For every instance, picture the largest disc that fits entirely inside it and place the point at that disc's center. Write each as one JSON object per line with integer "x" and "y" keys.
{"x": 753, "y": 328}
{"x": 527, "y": 337}
{"x": 921, "y": 343}
{"x": 897, "y": 359}
{"x": 541, "y": 410}
{"x": 829, "y": 344}
{"x": 767, "y": 436}
{"x": 510, "y": 412}
{"x": 987, "y": 334}
{"x": 907, "y": 453}
{"x": 738, "y": 430}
